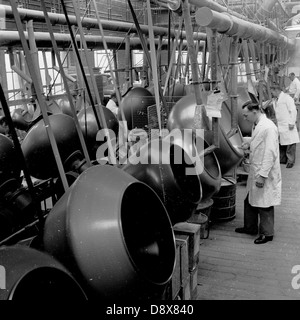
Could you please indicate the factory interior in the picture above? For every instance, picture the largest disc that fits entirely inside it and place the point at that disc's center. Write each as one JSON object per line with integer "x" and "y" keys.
{"x": 124, "y": 174}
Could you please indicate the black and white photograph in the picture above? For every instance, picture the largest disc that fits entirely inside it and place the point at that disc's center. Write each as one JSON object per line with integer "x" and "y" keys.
{"x": 149, "y": 154}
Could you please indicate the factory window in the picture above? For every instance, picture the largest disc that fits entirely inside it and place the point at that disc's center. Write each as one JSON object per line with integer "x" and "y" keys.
{"x": 102, "y": 61}
{"x": 18, "y": 88}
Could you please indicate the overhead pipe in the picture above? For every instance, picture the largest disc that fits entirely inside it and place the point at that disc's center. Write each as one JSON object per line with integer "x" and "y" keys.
{"x": 233, "y": 26}
{"x": 43, "y": 40}
{"x": 92, "y": 23}
{"x": 216, "y": 7}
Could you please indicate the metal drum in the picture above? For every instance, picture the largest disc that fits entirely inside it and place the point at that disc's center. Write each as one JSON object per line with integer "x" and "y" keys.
{"x": 223, "y": 208}
{"x": 114, "y": 233}
{"x": 158, "y": 167}
{"x": 135, "y": 107}
{"x": 37, "y": 148}
{"x": 89, "y": 127}
{"x": 234, "y": 153}
{"x": 207, "y": 167}
{"x": 202, "y": 216}
{"x": 27, "y": 274}
{"x": 182, "y": 116}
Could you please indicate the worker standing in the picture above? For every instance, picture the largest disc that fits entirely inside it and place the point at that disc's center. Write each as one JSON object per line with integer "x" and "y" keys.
{"x": 286, "y": 116}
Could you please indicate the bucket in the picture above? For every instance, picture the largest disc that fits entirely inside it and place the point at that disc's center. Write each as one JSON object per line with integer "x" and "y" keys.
{"x": 223, "y": 208}
{"x": 202, "y": 216}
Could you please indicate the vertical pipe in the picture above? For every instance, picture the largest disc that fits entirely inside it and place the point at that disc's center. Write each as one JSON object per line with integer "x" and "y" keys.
{"x": 172, "y": 59}
{"x": 233, "y": 90}
{"x": 187, "y": 67}
{"x": 3, "y": 73}
{"x": 34, "y": 52}
{"x": 248, "y": 69}
{"x": 214, "y": 75}
{"x": 115, "y": 66}
{"x": 99, "y": 110}
{"x": 145, "y": 78}
{"x": 81, "y": 65}
{"x": 154, "y": 64}
{"x": 145, "y": 48}
{"x": 111, "y": 68}
{"x": 204, "y": 58}
{"x": 62, "y": 72}
{"x": 39, "y": 94}
{"x": 261, "y": 78}
{"x": 128, "y": 71}
{"x": 159, "y": 51}
{"x": 254, "y": 58}
{"x": 199, "y": 112}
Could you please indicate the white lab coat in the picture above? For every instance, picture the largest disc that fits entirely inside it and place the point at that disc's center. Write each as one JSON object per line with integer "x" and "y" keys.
{"x": 265, "y": 161}
{"x": 294, "y": 88}
{"x": 112, "y": 106}
{"x": 286, "y": 113}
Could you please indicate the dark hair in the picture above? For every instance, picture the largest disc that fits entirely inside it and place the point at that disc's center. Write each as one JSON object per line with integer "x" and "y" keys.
{"x": 292, "y": 74}
{"x": 251, "y": 106}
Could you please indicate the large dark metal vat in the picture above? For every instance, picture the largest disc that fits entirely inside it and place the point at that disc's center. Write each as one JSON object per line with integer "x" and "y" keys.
{"x": 89, "y": 127}
{"x": 159, "y": 166}
{"x": 114, "y": 233}
{"x": 37, "y": 148}
{"x": 207, "y": 167}
{"x": 30, "y": 275}
{"x": 233, "y": 154}
{"x": 182, "y": 117}
{"x": 135, "y": 107}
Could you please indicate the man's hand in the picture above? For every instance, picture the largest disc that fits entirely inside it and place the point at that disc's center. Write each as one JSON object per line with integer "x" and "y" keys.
{"x": 291, "y": 126}
{"x": 245, "y": 145}
{"x": 260, "y": 182}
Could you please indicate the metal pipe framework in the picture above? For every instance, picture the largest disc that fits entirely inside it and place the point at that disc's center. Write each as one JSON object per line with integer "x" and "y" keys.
{"x": 233, "y": 26}
{"x": 43, "y": 40}
{"x": 111, "y": 25}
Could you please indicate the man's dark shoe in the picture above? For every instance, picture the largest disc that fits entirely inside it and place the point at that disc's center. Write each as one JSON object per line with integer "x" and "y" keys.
{"x": 246, "y": 231}
{"x": 289, "y": 165}
{"x": 263, "y": 239}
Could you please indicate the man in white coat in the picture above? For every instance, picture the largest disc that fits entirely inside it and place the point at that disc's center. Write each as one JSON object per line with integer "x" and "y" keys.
{"x": 286, "y": 115}
{"x": 264, "y": 179}
{"x": 294, "y": 88}
{"x": 112, "y": 104}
